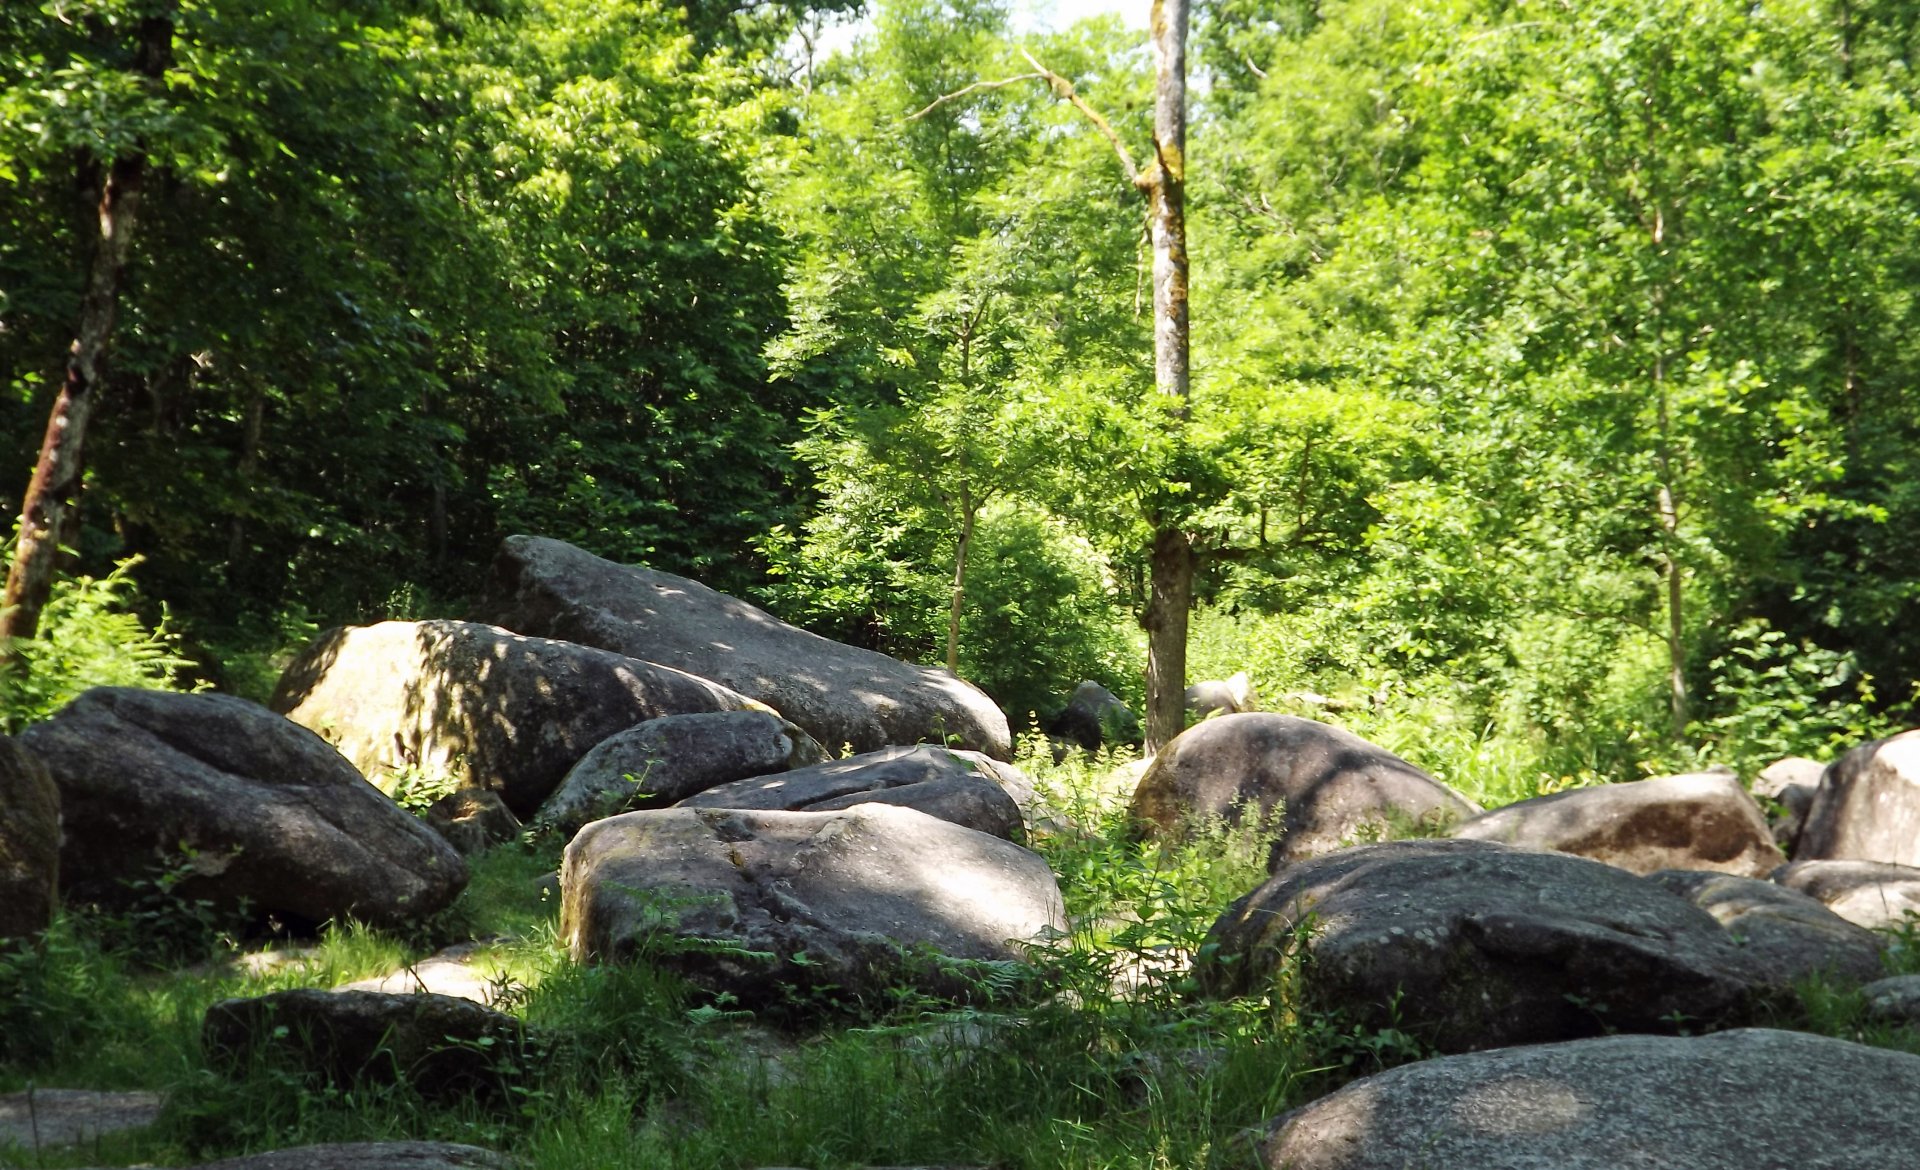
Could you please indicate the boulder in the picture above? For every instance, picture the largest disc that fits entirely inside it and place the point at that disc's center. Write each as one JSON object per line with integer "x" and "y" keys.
{"x": 29, "y": 842}
{"x": 1895, "y": 1000}
{"x": 473, "y": 820}
{"x": 445, "y": 1048}
{"x": 1095, "y": 717}
{"x": 1738, "y": 1100}
{"x": 1780, "y": 775}
{"x": 1866, "y": 893}
{"x": 1329, "y": 785}
{"x": 1867, "y": 807}
{"x": 778, "y": 907}
{"x": 840, "y": 694}
{"x": 664, "y": 761}
{"x": 1787, "y": 935}
{"x": 963, "y": 787}
{"x": 39, "y": 1118}
{"x": 1704, "y": 820}
{"x": 1470, "y": 944}
{"x": 467, "y": 970}
{"x": 368, "y": 1156}
{"x": 485, "y": 706}
{"x": 1230, "y": 696}
{"x": 268, "y": 815}
{"x": 1793, "y": 804}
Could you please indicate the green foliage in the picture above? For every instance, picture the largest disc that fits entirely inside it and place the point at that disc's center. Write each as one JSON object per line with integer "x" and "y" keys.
{"x": 91, "y": 635}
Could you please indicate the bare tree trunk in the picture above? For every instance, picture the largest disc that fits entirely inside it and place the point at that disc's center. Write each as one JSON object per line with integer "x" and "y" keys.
{"x": 250, "y": 434}
{"x": 1164, "y": 181}
{"x": 1669, "y": 508}
{"x": 53, "y": 492}
{"x": 969, "y": 513}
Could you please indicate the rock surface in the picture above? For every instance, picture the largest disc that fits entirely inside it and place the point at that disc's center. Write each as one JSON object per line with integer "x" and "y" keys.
{"x": 1787, "y": 935}
{"x": 1704, "y": 820}
{"x": 840, "y": 694}
{"x": 1778, "y": 776}
{"x": 1482, "y": 945}
{"x": 1866, "y": 893}
{"x": 368, "y": 1156}
{"x": 445, "y": 1048}
{"x": 1229, "y": 696}
{"x": 1738, "y": 1100}
{"x": 277, "y": 820}
{"x": 29, "y": 842}
{"x": 473, "y": 820}
{"x": 1895, "y": 1000}
{"x": 487, "y": 706}
{"x": 663, "y": 761}
{"x": 962, "y": 787}
{"x": 41, "y": 1118}
{"x": 1095, "y": 717}
{"x": 459, "y": 971}
{"x": 1867, "y": 807}
{"x": 1330, "y": 785}
{"x": 850, "y": 889}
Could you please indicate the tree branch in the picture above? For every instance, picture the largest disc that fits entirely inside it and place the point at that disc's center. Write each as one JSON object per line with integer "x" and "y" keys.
{"x": 1062, "y": 90}
{"x": 976, "y": 87}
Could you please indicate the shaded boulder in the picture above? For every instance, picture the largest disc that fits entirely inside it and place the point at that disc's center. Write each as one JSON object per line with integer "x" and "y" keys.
{"x": 443, "y": 1047}
{"x": 1733, "y": 1101}
{"x": 1787, "y": 936}
{"x": 963, "y": 787}
{"x": 1793, "y": 771}
{"x": 1866, "y": 893}
{"x": 29, "y": 842}
{"x": 663, "y": 761}
{"x": 1867, "y": 807}
{"x": 1469, "y": 944}
{"x": 368, "y": 1156}
{"x": 840, "y": 694}
{"x": 488, "y": 707}
{"x": 1328, "y": 785}
{"x": 264, "y": 812}
{"x": 473, "y": 820}
{"x": 1895, "y": 1000}
{"x": 1229, "y": 696}
{"x": 779, "y": 907}
{"x": 1704, "y": 820}
{"x": 1094, "y": 718}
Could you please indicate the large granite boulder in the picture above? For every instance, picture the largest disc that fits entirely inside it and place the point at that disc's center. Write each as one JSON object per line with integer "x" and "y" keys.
{"x": 473, "y": 820}
{"x": 1867, "y": 807}
{"x": 1738, "y": 1100}
{"x": 1704, "y": 820}
{"x": 1790, "y": 772}
{"x": 29, "y": 842}
{"x": 1329, "y": 785}
{"x": 777, "y": 908}
{"x": 840, "y": 694}
{"x": 1788, "y": 936}
{"x": 270, "y": 817}
{"x": 1867, "y": 893}
{"x": 1095, "y": 717}
{"x": 963, "y": 787}
{"x": 1222, "y": 696}
{"x": 1469, "y": 944}
{"x": 486, "y": 706}
{"x": 664, "y": 761}
{"x": 444, "y": 1047}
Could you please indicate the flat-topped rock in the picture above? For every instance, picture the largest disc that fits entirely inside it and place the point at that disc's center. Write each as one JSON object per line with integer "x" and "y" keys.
{"x": 967, "y": 788}
{"x": 1702, "y": 820}
{"x": 1866, "y": 893}
{"x": 488, "y": 707}
{"x": 1788, "y": 936}
{"x": 458, "y": 971}
{"x": 43, "y": 1118}
{"x": 1741, "y": 1100}
{"x": 840, "y": 694}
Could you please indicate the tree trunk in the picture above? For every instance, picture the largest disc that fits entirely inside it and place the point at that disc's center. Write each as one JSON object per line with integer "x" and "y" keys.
{"x": 53, "y": 492}
{"x": 1669, "y": 508}
{"x": 969, "y": 512}
{"x": 1164, "y": 182}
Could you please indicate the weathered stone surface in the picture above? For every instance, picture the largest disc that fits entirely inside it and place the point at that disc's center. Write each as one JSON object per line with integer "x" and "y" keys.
{"x": 1787, "y": 936}
{"x": 490, "y": 707}
{"x": 369, "y": 1156}
{"x": 276, "y": 819}
{"x": 1895, "y": 1000}
{"x": 1330, "y": 785}
{"x": 840, "y": 694}
{"x": 1776, "y": 777}
{"x": 1866, "y": 893}
{"x": 664, "y": 761}
{"x": 29, "y": 842}
{"x": 1703, "y": 820}
{"x": 963, "y": 787}
{"x": 1095, "y": 717}
{"x": 1230, "y": 696}
{"x": 1737, "y": 1100}
{"x": 1867, "y": 807}
{"x": 1482, "y": 945}
{"x": 43, "y": 1118}
{"x": 1794, "y": 802}
{"x": 462, "y": 971}
{"x": 473, "y": 820}
{"x": 850, "y": 889}
{"x": 444, "y": 1047}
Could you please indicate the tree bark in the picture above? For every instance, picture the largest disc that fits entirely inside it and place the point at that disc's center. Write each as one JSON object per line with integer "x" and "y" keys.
{"x": 54, "y": 491}
{"x": 969, "y": 512}
{"x": 1164, "y": 182}
{"x": 1669, "y": 508}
